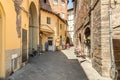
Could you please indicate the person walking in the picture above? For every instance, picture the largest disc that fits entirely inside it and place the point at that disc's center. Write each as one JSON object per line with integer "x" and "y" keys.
{"x": 46, "y": 46}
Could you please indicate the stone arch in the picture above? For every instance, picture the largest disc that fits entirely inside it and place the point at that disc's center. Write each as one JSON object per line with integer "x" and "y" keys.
{"x": 2, "y": 50}
{"x": 87, "y": 32}
{"x": 33, "y": 27}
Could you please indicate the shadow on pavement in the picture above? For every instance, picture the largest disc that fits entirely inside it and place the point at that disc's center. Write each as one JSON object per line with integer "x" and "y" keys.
{"x": 52, "y": 66}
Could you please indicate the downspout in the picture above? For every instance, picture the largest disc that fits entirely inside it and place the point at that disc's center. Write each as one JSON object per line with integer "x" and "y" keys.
{"x": 39, "y": 20}
{"x": 114, "y": 72}
{"x": 58, "y": 32}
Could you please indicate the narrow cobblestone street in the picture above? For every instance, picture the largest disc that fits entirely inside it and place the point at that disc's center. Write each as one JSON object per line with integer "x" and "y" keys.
{"x": 56, "y": 66}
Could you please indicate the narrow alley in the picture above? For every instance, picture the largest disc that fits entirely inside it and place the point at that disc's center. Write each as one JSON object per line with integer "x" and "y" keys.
{"x": 59, "y": 39}
{"x": 57, "y": 66}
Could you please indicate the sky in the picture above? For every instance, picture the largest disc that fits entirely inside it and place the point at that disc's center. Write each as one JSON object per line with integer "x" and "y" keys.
{"x": 70, "y": 5}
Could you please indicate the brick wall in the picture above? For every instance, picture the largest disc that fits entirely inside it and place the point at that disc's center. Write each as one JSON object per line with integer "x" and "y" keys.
{"x": 81, "y": 13}
{"x": 99, "y": 23}
{"x": 116, "y": 35}
{"x": 57, "y": 8}
{"x": 96, "y": 37}
{"x": 105, "y": 43}
{"x": 100, "y": 38}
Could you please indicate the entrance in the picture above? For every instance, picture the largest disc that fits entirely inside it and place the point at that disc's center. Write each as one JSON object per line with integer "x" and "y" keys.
{"x": 24, "y": 45}
{"x": 50, "y": 43}
{"x": 87, "y": 42}
{"x": 33, "y": 28}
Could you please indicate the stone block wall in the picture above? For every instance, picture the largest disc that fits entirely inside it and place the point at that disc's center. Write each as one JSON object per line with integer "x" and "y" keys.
{"x": 100, "y": 38}
{"x": 105, "y": 43}
{"x": 96, "y": 36}
{"x": 8, "y": 60}
{"x": 104, "y": 57}
{"x": 82, "y": 8}
{"x": 105, "y": 32}
{"x": 99, "y": 21}
{"x": 116, "y": 35}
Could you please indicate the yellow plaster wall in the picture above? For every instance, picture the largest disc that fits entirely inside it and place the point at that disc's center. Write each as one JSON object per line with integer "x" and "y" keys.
{"x": 10, "y": 38}
{"x": 55, "y": 24}
{"x": 2, "y": 29}
{"x": 44, "y": 16}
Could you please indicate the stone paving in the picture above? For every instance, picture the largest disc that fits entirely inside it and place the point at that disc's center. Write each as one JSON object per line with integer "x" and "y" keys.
{"x": 57, "y": 66}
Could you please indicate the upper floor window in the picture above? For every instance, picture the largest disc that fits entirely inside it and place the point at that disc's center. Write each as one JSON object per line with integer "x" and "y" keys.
{"x": 48, "y": 20}
{"x": 63, "y": 15}
{"x": 45, "y": 1}
{"x": 55, "y": 1}
{"x": 60, "y": 26}
{"x": 63, "y": 2}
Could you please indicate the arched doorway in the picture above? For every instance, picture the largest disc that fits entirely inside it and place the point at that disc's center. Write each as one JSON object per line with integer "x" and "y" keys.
{"x": 0, "y": 39}
{"x": 87, "y": 45}
{"x": 2, "y": 63}
{"x": 33, "y": 28}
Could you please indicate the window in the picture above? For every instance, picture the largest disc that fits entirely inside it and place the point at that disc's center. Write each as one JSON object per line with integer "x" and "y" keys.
{"x": 63, "y": 15}
{"x": 63, "y": 2}
{"x": 45, "y": 1}
{"x": 55, "y": 1}
{"x": 60, "y": 26}
{"x": 50, "y": 43}
{"x": 48, "y": 20}
{"x": 80, "y": 37}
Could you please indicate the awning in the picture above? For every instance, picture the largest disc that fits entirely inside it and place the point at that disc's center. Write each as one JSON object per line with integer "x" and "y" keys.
{"x": 45, "y": 29}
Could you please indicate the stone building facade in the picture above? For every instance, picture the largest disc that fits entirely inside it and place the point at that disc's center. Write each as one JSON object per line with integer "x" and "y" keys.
{"x": 18, "y": 19}
{"x": 82, "y": 25}
{"x": 71, "y": 25}
{"x": 99, "y": 22}
{"x": 56, "y": 6}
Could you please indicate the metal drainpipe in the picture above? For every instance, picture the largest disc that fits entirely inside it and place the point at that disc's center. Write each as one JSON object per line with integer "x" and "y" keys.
{"x": 39, "y": 21}
{"x": 113, "y": 65}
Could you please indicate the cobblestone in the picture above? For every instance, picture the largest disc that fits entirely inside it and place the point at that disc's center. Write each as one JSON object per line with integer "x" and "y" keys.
{"x": 57, "y": 66}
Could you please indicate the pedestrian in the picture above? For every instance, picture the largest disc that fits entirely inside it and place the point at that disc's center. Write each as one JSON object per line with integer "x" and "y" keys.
{"x": 67, "y": 45}
{"x": 41, "y": 48}
{"x": 63, "y": 44}
{"x": 46, "y": 46}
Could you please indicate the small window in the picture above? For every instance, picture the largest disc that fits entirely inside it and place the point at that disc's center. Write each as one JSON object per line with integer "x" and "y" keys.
{"x": 45, "y": 1}
{"x": 63, "y": 15}
{"x": 50, "y": 42}
{"x": 63, "y": 2}
{"x": 60, "y": 26}
{"x": 55, "y": 1}
{"x": 48, "y": 20}
{"x": 80, "y": 37}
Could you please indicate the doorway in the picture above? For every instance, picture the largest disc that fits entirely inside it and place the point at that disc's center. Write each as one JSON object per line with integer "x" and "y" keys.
{"x": 87, "y": 45}
{"x": 33, "y": 28}
{"x": 0, "y": 41}
{"x": 24, "y": 45}
{"x": 50, "y": 43}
